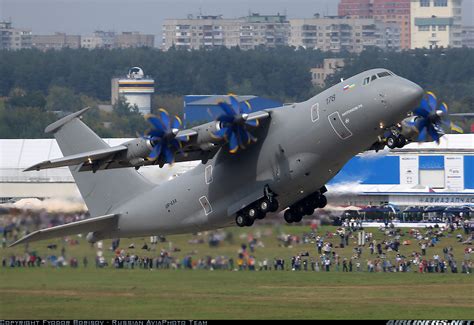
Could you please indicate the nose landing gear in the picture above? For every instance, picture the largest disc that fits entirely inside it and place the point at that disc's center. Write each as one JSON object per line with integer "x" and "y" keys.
{"x": 393, "y": 138}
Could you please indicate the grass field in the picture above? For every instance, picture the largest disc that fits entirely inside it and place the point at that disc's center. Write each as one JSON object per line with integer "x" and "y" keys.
{"x": 105, "y": 293}
{"x": 49, "y": 292}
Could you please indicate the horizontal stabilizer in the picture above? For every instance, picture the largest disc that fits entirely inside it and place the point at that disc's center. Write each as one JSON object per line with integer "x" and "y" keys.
{"x": 53, "y": 127}
{"x": 106, "y": 223}
{"x": 72, "y": 160}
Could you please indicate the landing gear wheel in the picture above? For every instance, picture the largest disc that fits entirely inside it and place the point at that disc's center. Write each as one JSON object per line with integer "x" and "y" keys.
{"x": 260, "y": 215}
{"x": 273, "y": 206}
{"x": 392, "y": 141}
{"x": 252, "y": 213}
{"x": 401, "y": 141}
{"x": 240, "y": 220}
{"x": 288, "y": 216}
{"x": 323, "y": 201}
{"x": 298, "y": 217}
{"x": 308, "y": 210}
{"x": 264, "y": 206}
{"x": 249, "y": 221}
{"x": 299, "y": 209}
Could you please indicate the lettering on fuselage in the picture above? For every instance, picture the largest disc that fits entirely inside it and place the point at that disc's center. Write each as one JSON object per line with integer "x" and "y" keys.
{"x": 338, "y": 126}
{"x": 171, "y": 203}
{"x": 331, "y": 99}
{"x": 352, "y": 110}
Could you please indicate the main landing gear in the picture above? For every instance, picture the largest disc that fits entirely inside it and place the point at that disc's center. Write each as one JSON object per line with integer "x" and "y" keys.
{"x": 257, "y": 210}
{"x": 306, "y": 206}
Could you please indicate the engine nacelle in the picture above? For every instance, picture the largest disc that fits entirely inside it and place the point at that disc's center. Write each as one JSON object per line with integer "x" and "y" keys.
{"x": 137, "y": 150}
{"x": 205, "y": 138}
{"x": 408, "y": 128}
{"x": 93, "y": 237}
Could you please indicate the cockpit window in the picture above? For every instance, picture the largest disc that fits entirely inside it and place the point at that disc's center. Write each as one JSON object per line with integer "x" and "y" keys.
{"x": 373, "y": 77}
{"x": 366, "y": 81}
{"x": 383, "y": 74}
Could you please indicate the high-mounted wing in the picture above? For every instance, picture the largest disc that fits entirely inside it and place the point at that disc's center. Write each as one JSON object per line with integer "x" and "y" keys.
{"x": 89, "y": 157}
{"x": 165, "y": 142}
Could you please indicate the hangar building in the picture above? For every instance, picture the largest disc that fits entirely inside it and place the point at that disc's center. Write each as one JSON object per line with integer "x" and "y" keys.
{"x": 417, "y": 175}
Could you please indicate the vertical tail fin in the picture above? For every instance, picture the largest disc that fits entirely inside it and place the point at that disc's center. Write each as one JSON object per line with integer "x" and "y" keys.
{"x": 105, "y": 189}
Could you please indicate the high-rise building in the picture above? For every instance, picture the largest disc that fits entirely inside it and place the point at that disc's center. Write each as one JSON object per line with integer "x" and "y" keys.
{"x": 133, "y": 39}
{"x": 468, "y": 36}
{"x": 266, "y": 30}
{"x": 338, "y": 34}
{"x": 436, "y": 23}
{"x": 214, "y": 31}
{"x": 355, "y": 8}
{"x": 14, "y": 38}
{"x": 100, "y": 39}
{"x": 388, "y": 11}
{"x": 57, "y": 41}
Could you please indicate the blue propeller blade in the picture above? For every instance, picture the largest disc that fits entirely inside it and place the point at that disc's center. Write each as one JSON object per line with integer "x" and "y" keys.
{"x": 233, "y": 128}
{"x": 155, "y": 152}
{"x": 220, "y": 133}
{"x": 226, "y": 118}
{"x": 243, "y": 137}
{"x": 168, "y": 155}
{"x": 235, "y": 105}
{"x": 176, "y": 124}
{"x": 233, "y": 143}
{"x": 444, "y": 108}
{"x": 424, "y": 109}
{"x": 165, "y": 144}
{"x": 156, "y": 123}
{"x": 432, "y": 100}
{"x": 422, "y": 135}
{"x": 245, "y": 107}
{"x": 434, "y": 135}
{"x": 226, "y": 108}
{"x": 155, "y": 133}
{"x": 253, "y": 123}
{"x": 165, "y": 119}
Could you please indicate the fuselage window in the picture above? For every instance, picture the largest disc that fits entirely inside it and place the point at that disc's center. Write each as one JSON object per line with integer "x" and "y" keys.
{"x": 383, "y": 74}
{"x": 367, "y": 81}
{"x": 205, "y": 205}
{"x": 315, "y": 112}
{"x": 373, "y": 77}
{"x": 208, "y": 174}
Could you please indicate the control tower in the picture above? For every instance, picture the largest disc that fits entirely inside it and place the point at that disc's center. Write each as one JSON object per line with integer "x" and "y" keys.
{"x": 136, "y": 88}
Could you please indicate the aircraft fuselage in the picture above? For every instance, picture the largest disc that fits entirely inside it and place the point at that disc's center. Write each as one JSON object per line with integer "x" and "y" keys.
{"x": 302, "y": 148}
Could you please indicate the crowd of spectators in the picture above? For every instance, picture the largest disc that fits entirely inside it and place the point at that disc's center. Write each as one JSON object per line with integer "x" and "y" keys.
{"x": 349, "y": 248}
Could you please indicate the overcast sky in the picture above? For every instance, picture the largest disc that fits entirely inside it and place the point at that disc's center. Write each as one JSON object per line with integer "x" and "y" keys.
{"x": 85, "y": 16}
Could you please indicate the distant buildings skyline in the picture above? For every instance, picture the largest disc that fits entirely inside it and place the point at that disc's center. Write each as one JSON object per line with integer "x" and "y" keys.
{"x": 387, "y": 24}
{"x": 79, "y": 17}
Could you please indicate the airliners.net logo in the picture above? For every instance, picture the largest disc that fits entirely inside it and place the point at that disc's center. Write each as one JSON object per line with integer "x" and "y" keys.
{"x": 430, "y": 322}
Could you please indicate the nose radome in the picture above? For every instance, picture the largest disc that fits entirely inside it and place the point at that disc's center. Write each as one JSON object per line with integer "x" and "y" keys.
{"x": 409, "y": 94}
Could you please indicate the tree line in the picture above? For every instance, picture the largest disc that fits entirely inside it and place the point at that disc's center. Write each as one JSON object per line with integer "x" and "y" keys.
{"x": 35, "y": 86}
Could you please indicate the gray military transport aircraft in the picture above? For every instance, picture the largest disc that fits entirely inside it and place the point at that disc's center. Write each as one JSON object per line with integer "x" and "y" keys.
{"x": 290, "y": 154}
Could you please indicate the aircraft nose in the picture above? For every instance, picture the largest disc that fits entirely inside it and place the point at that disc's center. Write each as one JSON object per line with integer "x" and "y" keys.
{"x": 410, "y": 94}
